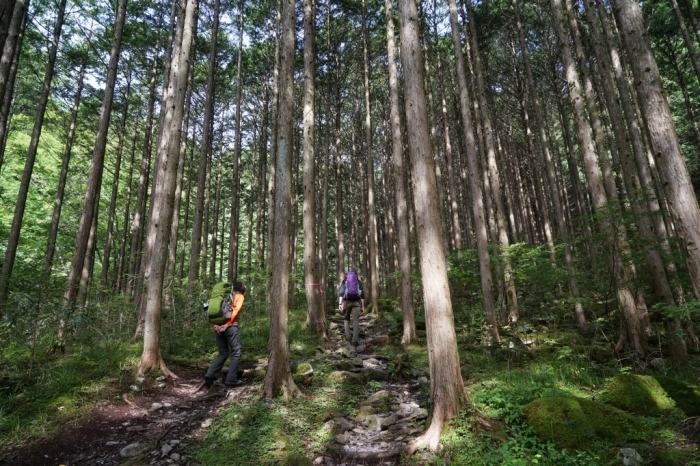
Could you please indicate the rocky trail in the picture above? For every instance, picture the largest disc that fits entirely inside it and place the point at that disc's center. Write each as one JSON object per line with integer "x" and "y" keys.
{"x": 154, "y": 422}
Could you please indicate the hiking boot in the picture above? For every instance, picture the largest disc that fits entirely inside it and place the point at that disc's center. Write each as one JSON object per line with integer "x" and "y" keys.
{"x": 208, "y": 381}
{"x": 235, "y": 384}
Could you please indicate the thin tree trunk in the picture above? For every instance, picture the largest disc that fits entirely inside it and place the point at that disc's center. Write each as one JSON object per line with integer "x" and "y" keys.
{"x": 58, "y": 200}
{"x": 8, "y": 99}
{"x": 118, "y": 282}
{"x": 13, "y": 239}
{"x": 204, "y": 156}
{"x": 477, "y": 197}
{"x": 96, "y": 168}
{"x": 113, "y": 198}
{"x": 614, "y": 249}
{"x": 235, "y": 202}
{"x": 137, "y": 222}
{"x": 373, "y": 259}
{"x": 549, "y": 166}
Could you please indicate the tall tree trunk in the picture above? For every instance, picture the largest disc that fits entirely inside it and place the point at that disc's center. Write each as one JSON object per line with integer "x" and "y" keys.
{"x": 409, "y": 322}
{"x": 6, "y": 108}
{"x": 65, "y": 161}
{"x": 13, "y": 239}
{"x": 477, "y": 196}
{"x": 95, "y": 176}
{"x": 278, "y": 378}
{"x": 118, "y": 282}
{"x": 549, "y": 167}
{"x": 204, "y": 156}
{"x": 654, "y": 263}
{"x": 614, "y": 250}
{"x": 272, "y": 175}
{"x": 315, "y": 316}
{"x": 373, "y": 259}
{"x": 235, "y": 202}
{"x": 511, "y": 294}
{"x": 11, "y": 40}
{"x": 159, "y": 224}
{"x": 142, "y": 192}
{"x": 115, "y": 191}
{"x": 662, "y": 133}
{"x": 446, "y": 385}
{"x": 175, "y": 230}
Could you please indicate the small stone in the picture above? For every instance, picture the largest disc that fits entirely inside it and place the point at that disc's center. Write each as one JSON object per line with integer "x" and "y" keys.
{"x": 134, "y": 388}
{"x": 342, "y": 438}
{"x": 155, "y": 407}
{"x": 629, "y": 457}
{"x": 135, "y": 429}
{"x": 161, "y": 385}
{"x": 319, "y": 460}
{"x": 165, "y": 449}
{"x": 140, "y": 380}
{"x": 174, "y": 442}
{"x": 160, "y": 379}
{"x": 134, "y": 449}
{"x": 207, "y": 423}
{"x": 175, "y": 457}
{"x": 343, "y": 424}
{"x": 111, "y": 443}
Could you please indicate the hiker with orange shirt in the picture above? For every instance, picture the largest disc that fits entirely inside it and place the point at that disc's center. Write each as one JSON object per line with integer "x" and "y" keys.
{"x": 228, "y": 340}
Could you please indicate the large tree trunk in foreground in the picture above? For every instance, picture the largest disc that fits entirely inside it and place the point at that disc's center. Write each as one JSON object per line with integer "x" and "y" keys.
{"x": 409, "y": 321}
{"x": 446, "y": 385}
{"x": 278, "y": 378}
{"x": 159, "y": 224}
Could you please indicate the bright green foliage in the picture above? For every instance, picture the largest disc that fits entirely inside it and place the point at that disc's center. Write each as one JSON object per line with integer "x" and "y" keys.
{"x": 638, "y": 394}
{"x": 571, "y": 422}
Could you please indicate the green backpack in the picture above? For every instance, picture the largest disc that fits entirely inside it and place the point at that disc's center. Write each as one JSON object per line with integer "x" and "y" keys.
{"x": 220, "y": 303}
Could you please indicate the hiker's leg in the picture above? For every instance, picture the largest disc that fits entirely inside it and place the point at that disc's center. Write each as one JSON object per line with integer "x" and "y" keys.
{"x": 234, "y": 340}
{"x": 347, "y": 309}
{"x": 356, "y": 322}
{"x": 215, "y": 368}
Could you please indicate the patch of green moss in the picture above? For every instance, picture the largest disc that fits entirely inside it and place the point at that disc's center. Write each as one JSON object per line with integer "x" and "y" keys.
{"x": 638, "y": 394}
{"x": 686, "y": 396}
{"x": 576, "y": 423}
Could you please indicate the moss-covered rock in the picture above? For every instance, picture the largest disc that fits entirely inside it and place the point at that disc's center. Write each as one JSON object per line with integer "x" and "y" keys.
{"x": 343, "y": 377}
{"x": 686, "y": 396}
{"x": 638, "y": 394}
{"x": 677, "y": 456}
{"x": 576, "y": 423}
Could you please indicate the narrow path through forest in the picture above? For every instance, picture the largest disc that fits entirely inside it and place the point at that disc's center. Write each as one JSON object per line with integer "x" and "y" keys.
{"x": 157, "y": 419}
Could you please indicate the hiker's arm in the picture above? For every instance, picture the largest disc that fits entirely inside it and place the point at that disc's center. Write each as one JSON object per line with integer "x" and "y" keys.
{"x": 238, "y": 299}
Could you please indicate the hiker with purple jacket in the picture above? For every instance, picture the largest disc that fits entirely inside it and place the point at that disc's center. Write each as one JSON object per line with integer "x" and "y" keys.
{"x": 351, "y": 303}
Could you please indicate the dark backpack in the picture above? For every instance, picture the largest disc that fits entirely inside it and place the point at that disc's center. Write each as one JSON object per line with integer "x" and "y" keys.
{"x": 220, "y": 303}
{"x": 352, "y": 286}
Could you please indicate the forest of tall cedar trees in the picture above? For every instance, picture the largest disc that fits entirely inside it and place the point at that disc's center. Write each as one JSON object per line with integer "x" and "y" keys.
{"x": 490, "y": 168}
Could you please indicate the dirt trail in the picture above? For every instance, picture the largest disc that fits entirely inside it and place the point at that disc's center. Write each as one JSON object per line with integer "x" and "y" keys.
{"x": 164, "y": 417}
{"x": 160, "y": 419}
